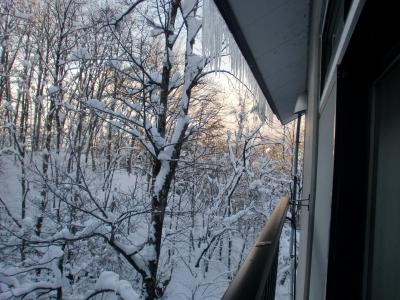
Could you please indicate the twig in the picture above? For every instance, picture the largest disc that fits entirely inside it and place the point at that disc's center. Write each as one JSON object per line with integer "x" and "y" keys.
{"x": 9, "y": 213}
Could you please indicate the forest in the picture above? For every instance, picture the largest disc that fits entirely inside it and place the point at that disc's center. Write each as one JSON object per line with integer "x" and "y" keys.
{"x": 135, "y": 162}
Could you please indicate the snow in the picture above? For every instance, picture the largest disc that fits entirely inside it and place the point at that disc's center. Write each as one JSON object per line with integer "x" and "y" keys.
{"x": 179, "y": 127}
{"x": 233, "y": 219}
{"x": 27, "y": 288}
{"x": 172, "y": 38}
{"x": 155, "y": 77}
{"x": 187, "y": 281}
{"x": 171, "y": 56}
{"x": 175, "y": 80}
{"x": 161, "y": 176}
{"x": 164, "y": 156}
{"x": 148, "y": 252}
{"x": 81, "y": 53}
{"x": 132, "y": 91}
{"x": 52, "y": 89}
{"x": 195, "y": 25}
{"x": 187, "y": 6}
{"x": 10, "y": 190}
{"x": 195, "y": 63}
{"x": 63, "y": 234}
{"x": 91, "y": 225}
{"x": 116, "y": 124}
{"x": 52, "y": 253}
{"x": 26, "y": 63}
{"x": 110, "y": 281}
{"x": 156, "y": 32}
{"x": 94, "y": 103}
{"x": 157, "y": 138}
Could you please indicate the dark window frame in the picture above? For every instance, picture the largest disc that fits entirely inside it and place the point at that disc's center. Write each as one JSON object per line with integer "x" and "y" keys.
{"x": 331, "y": 31}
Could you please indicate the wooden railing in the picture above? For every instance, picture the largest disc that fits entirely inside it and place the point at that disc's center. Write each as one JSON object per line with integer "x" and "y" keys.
{"x": 256, "y": 278}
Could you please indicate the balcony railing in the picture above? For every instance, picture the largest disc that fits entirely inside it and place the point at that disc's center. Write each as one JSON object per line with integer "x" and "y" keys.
{"x": 256, "y": 278}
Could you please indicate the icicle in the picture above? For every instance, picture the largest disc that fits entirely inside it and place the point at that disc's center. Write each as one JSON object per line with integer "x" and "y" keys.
{"x": 216, "y": 36}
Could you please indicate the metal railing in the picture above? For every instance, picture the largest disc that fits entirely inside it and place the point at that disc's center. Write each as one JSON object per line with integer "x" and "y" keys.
{"x": 256, "y": 278}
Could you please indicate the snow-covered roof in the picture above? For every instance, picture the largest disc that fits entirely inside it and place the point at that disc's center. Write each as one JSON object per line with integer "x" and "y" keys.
{"x": 273, "y": 37}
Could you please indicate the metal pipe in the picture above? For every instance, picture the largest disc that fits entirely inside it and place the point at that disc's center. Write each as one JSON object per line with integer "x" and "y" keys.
{"x": 293, "y": 246}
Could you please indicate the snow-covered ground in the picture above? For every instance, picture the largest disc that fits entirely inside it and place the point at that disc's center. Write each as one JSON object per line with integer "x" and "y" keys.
{"x": 10, "y": 190}
{"x": 188, "y": 280}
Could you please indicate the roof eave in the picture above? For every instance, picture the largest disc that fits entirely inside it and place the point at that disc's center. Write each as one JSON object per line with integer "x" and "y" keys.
{"x": 232, "y": 23}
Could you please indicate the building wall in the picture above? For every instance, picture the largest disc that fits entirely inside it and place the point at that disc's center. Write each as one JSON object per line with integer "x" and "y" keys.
{"x": 319, "y": 156}
{"x": 323, "y": 198}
